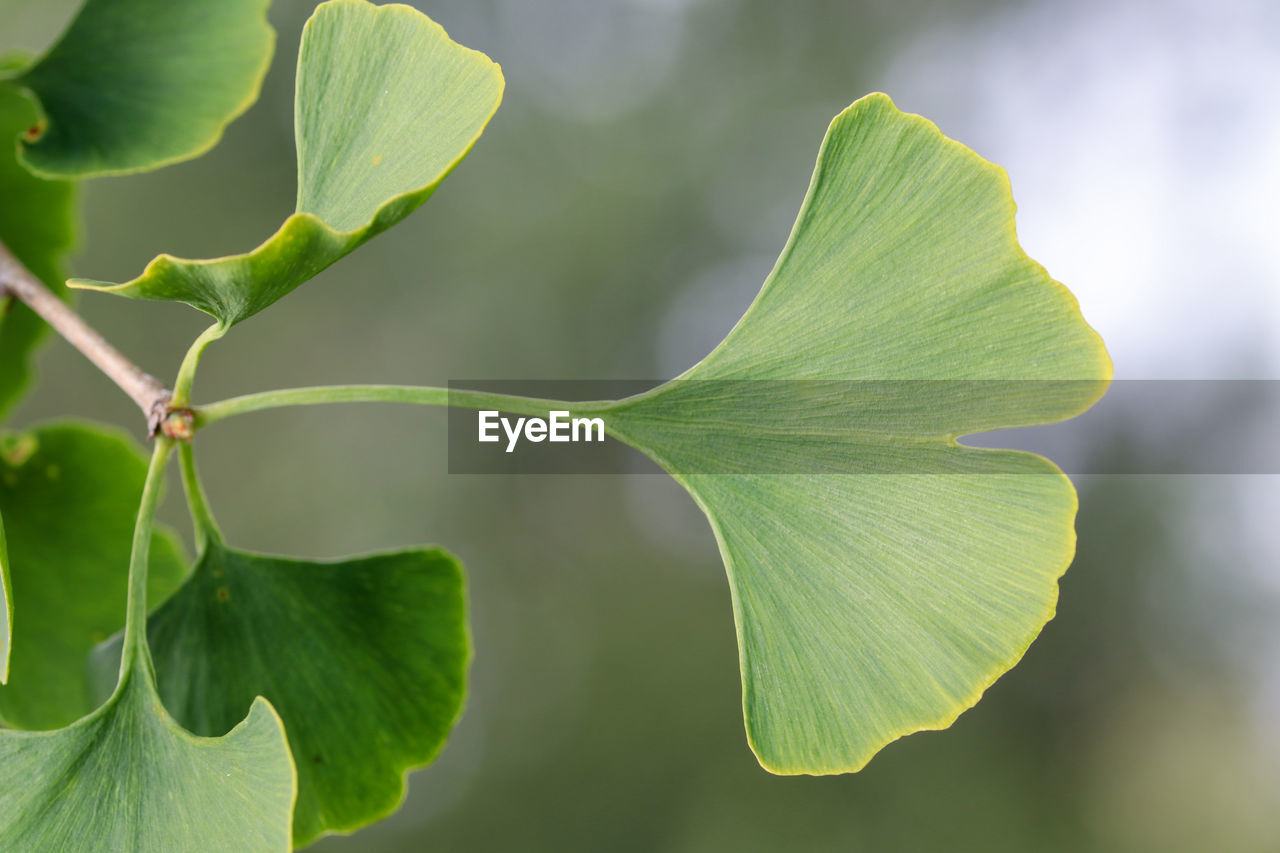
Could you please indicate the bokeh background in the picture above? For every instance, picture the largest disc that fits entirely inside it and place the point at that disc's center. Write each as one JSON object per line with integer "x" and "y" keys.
{"x": 613, "y": 222}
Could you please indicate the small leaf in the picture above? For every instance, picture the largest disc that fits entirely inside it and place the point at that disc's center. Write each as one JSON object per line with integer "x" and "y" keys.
{"x": 68, "y": 495}
{"x": 127, "y": 777}
{"x": 871, "y": 605}
{"x": 36, "y": 224}
{"x": 365, "y": 659}
{"x": 386, "y": 106}
{"x": 134, "y": 85}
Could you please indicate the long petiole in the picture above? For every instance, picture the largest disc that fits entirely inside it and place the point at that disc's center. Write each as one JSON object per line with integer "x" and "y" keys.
{"x": 424, "y": 396}
{"x": 187, "y": 370}
{"x": 135, "y": 624}
{"x": 202, "y": 519}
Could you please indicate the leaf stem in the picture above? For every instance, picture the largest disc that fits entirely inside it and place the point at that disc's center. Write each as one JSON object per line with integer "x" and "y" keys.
{"x": 202, "y": 519}
{"x": 145, "y": 390}
{"x": 187, "y": 371}
{"x": 419, "y": 395}
{"x": 135, "y": 623}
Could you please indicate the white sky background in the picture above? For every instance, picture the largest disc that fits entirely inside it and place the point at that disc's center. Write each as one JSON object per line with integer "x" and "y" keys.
{"x": 1143, "y": 143}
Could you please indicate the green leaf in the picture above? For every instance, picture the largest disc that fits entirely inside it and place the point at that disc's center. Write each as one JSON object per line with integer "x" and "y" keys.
{"x": 37, "y": 225}
{"x": 386, "y": 106}
{"x": 365, "y": 659}
{"x": 133, "y": 85}
{"x": 127, "y": 777}
{"x": 68, "y": 494}
{"x": 885, "y": 600}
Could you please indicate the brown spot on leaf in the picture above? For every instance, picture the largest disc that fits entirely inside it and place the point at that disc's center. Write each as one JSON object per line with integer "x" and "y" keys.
{"x": 17, "y": 449}
{"x": 223, "y": 594}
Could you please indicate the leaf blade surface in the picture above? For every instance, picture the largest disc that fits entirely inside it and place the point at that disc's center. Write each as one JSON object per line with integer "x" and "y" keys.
{"x": 68, "y": 494}
{"x": 386, "y": 106}
{"x": 133, "y": 85}
{"x": 883, "y": 576}
{"x": 365, "y": 659}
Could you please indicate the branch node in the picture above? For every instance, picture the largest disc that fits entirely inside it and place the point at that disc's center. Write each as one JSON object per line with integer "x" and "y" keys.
{"x": 178, "y": 424}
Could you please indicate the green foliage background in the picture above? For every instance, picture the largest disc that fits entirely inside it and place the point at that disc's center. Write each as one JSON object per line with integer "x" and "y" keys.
{"x": 604, "y": 711}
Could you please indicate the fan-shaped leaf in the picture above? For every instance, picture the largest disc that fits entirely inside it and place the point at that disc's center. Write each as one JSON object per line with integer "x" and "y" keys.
{"x": 134, "y": 85}
{"x": 365, "y": 659}
{"x": 68, "y": 495}
{"x": 127, "y": 777}
{"x": 386, "y": 106}
{"x": 882, "y": 575}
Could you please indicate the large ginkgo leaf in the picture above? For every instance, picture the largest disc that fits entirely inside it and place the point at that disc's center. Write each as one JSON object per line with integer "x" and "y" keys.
{"x": 882, "y": 574}
{"x": 386, "y": 106}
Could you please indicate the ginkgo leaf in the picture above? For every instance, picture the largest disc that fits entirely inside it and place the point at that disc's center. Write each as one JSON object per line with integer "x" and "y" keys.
{"x": 68, "y": 496}
{"x": 386, "y": 106}
{"x": 127, "y": 777}
{"x": 882, "y": 574}
{"x": 134, "y": 85}
{"x": 36, "y": 225}
{"x": 365, "y": 659}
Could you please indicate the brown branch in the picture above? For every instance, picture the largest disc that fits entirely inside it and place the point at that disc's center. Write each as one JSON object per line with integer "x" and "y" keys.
{"x": 145, "y": 390}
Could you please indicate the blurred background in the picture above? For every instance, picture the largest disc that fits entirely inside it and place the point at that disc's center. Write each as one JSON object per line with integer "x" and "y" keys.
{"x": 613, "y": 222}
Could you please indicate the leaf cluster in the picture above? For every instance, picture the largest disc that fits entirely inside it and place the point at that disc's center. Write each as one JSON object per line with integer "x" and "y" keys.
{"x": 883, "y": 575}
